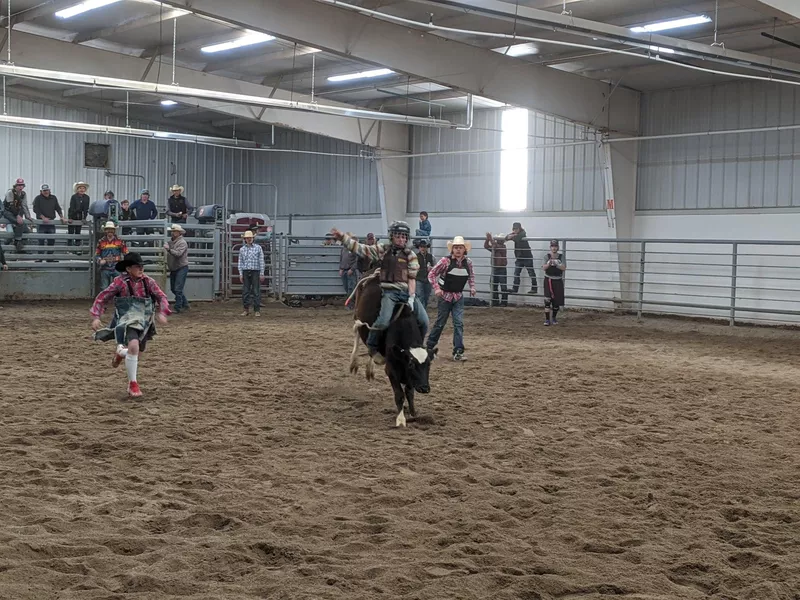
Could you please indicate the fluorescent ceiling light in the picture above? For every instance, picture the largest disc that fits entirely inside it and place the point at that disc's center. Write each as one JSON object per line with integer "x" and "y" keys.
{"x": 168, "y": 103}
{"x": 662, "y": 50}
{"x": 488, "y": 102}
{"x": 361, "y": 75}
{"x": 671, "y": 24}
{"x": 83, "y": 7}
{"x": 247, "y": 40}
{"x": 518, "y": 50}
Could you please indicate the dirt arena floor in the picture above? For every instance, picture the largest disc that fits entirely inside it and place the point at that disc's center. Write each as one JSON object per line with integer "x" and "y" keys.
{"x": 603, "y": 458}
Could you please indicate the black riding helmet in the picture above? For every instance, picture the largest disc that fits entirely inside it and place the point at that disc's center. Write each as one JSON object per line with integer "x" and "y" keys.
{"x": 399, "y": 227}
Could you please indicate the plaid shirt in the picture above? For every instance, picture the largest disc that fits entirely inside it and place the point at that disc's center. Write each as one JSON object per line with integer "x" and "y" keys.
{"x": 251, "y": 258}
{"x": 377, "y": 252}
{"x": 440, "y": 270}
{"x": 119, "y": 287}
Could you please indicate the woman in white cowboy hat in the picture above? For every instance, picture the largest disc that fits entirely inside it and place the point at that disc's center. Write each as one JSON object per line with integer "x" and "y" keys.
{"x": 251, "y": 270}
{"x": 178, "y": 207}
{"x": 449, "y": 278}
{"x": 78, "y": 211}
{"x": 178, "y": 265}
{"x": 110, "y": 250}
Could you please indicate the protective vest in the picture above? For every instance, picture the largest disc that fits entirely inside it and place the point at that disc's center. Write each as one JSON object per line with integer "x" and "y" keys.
{"x": 394, "y": 266}
{"x": 456, "y": 277}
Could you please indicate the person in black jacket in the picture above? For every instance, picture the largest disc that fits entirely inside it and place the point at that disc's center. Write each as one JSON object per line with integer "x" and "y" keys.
{"x": 426, "y": 263}
{"x": 78, "y": 211}
{"x": 46, "y": 207}
{"x": 524, "y": 258}
{"x": 178, "y": 207}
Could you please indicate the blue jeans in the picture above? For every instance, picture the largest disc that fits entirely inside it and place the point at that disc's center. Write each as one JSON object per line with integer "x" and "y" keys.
{"x": 389, "y": 299}
{"x": 424, "y": 291}
{"x": 48, "y": 229}
{"x": 349, "y": 281}
{"x": 251, "y": 289}
{"x": 18, "y": 229}
{"x": 106, "y": 277}
{"x": 445, "y": 310}
{"x": 177, "y": 281}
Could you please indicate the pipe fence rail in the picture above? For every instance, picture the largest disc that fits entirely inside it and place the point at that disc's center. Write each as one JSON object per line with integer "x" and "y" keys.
{"x": 735, "y": 280}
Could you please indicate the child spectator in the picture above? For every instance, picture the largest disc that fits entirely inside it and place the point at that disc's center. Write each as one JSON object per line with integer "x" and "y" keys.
{"x": 449, "y": 278}
{"x": 424, "y": 229}
{"x": 426, "y": 262}
{"x": 497, "y": 246}
{"x": 554, "y": 267}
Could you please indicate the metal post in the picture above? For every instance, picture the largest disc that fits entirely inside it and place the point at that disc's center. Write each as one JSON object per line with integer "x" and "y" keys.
{"x": 491, "y": 276}
{"x": 734, "y": 273}
{"x": 92, "y": 265}
{"x": 217, "y": 262}
{"x": 641, "y": 279}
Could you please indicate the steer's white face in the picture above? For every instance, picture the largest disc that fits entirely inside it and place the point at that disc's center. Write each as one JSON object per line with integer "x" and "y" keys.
{"x": 419, "y": 354}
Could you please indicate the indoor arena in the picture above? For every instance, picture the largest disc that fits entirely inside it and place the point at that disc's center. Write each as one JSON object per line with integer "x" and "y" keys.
{"x": 420, "y": 299}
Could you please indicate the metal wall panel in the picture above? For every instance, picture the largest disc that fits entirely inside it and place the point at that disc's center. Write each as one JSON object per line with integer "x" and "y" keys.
{"x": 559, "y": 179}
{"x": 725, "y": 172}
{"x": 309, "y": 185}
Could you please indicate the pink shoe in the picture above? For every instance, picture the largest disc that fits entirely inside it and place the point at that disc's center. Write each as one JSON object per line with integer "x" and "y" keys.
{"x": 133, "y": 390}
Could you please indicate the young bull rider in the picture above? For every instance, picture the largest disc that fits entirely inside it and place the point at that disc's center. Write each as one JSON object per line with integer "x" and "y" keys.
{"x": 138, "y": 302}
{"x": 398, "y": 272}
{"x": 554, "y": 267}
{"x": 449, "y": 278}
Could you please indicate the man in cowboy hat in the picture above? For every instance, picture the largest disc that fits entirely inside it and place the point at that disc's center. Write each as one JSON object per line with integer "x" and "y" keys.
{"x": 15, "y": 211}
{"x": 110, "y": 251}
{"x": 178, "y": 265}
{"x": 178, "y": 207}
{"x": 78, "y": 211}
{"x": 138, "y": 304}
{"x": 449, "y": 278}
{"x": 251, "y": 271}
{"x": 46, "y": 207}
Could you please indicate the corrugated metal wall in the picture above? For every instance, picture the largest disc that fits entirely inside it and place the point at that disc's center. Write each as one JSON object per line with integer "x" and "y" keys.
{"x": 310, "y": 185}
{"x": 753, "y": 170}
{"x": 559, "y": 179}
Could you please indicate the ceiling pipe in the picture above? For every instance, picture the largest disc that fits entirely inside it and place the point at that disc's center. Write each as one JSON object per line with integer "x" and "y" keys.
{"x": 180, "y": 91}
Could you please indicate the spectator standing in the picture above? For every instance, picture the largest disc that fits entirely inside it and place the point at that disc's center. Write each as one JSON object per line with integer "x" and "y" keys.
{"x": 251, "y": 271}
{"x": 348, "y": 270}
{"x": 497, "y": 246}
{"x": 110, "y": 251}
{"x": 46, "y": 207}
{"x": 144, "y": 210}
{"x": 449, "y": 278}
{"x": 524, "y": 258}
{"x": 125, "y": 214}
{"x": 366, "y": 263}
{"x": 426, "y": 262}
{"x": 178, "y": 207}
{"x": 78, "y": 212}
{"x": 178, "y": 264}
{"x": 15, "y": 211}
{"x": 554, "y": 267}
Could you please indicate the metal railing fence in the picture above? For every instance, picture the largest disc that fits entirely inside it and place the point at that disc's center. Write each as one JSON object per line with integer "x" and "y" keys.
{"x": 735, "y": 280}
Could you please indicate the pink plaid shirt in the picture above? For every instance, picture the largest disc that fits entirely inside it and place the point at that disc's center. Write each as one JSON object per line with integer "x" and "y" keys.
{"x": 119, "y": 287}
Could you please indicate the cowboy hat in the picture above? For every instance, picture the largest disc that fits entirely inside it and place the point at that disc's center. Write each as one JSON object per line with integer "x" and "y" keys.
{"x": 248, "y": 234}
{"x": 110, "y": 225}
{"x": 176, "y": 227}
{"x": 130, "y": 260}
{"x": 176, "y": 187}
{"x": 459, "y": 241}
{"x": 80, "y": 184}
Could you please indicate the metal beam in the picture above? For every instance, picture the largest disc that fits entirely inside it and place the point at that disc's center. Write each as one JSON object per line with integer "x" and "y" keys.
{"x": 43, "y": 53}
{"x": 235, "y": 64}
{"x": 414, "y": 52}
{"x": 129, "y": 25}
{"x": 504, "y": 11}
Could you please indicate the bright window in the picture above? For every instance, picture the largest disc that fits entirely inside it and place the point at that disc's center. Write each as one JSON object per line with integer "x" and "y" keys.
{"x": 514, "y": 160}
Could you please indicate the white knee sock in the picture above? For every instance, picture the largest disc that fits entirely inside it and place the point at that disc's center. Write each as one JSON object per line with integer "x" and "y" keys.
{"x": 131, "y": 365}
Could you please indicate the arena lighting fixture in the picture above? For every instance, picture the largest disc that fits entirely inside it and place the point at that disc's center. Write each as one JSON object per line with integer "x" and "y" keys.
{"x": 362, "y": 75}
{"x": 83, "y": 7}
{"x": 671, "y": 24}
{"x": 251, "y": 38}
{"x": 168, "y": 103}
{"x": 517, "y": 50}
{"x": 662, "y": 50}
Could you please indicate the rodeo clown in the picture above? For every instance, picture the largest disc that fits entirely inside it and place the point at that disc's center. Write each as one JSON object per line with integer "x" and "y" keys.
{"x": 138, "y": 302}
{"x": 554, "y": 267}
{"x": 398, "y": 278}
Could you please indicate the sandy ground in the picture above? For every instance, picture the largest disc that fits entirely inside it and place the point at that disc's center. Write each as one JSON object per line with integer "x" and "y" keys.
{"x": 602, "y": 458}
